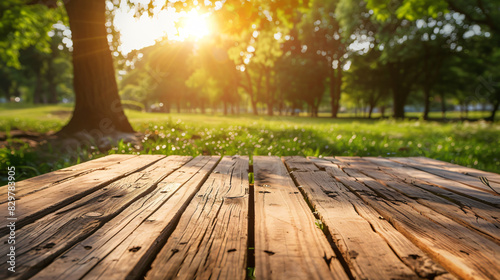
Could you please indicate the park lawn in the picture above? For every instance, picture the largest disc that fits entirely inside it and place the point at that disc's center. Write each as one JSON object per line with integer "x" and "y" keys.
{"x": 473, "y": 144}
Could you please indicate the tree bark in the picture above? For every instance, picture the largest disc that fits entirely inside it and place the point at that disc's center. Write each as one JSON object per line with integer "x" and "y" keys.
{"x": 399, "y": 104}
{"x": 98, "y": 109}
{"x": 399, "y": 92}
{"x": 494, "y": 110}
{"x": 427, "y": 86}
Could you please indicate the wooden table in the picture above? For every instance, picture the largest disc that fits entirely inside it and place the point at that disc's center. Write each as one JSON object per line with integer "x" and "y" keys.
{"x": 156, "y": 217}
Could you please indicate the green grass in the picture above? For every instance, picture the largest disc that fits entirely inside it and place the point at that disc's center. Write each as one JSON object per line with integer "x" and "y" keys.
{"x": 473, "y": 144}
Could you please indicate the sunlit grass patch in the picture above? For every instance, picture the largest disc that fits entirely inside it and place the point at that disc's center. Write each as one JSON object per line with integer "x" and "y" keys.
{"x": 473, "y": 144}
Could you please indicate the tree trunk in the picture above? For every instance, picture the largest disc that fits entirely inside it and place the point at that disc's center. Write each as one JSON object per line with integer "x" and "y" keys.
{"x": 399, "y": 92}
{"x": 269, "y": 108}
{"x": 494, "y": 110}
{"x": 443, "y": 106}
{"x": 52, "y": 92}
{"x": 399, "y": 105}
{"x": 6, "y": 87}
{"x": 97, "y": 104}
{"x": 254, "y": 107}
{"x": 335, "y": 88}
{"x": 427, "y": 102}
{"x": 270, "y": 99}
{"x": 37, "y": 93}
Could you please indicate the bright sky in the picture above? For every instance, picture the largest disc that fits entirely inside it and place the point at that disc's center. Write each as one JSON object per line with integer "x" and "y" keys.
{"x": 137, "y": 33}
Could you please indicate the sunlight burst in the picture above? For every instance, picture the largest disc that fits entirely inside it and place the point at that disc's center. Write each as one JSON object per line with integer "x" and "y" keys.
{"x": 137, "y": 33}
{"x": 194, "y": 25}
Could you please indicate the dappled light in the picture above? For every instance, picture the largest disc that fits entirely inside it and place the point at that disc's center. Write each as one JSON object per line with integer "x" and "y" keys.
{"x": 341, "y": 61}
{"x": 250, "y": 139}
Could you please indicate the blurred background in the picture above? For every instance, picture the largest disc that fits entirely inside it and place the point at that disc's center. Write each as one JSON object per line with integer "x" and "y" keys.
{"x": 370, "y": 58}
{"x": 427, "y": 72}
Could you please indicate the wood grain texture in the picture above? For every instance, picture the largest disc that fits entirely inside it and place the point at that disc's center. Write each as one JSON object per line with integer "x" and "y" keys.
{"x": 432, "y": 179}
{"x": 48, "y": 237}
{"x": 54, "y": 178}
{"x": 43, "y": 202}
{"x": 124, "y": 247}
{"x": 366, "y": 250}
{"x": 469, "y": 212}
{"x": 288, "y": 244}
{"x": 458, "y": 249}
{"x": 151, "y": 217}
{"x": 492, "y": 177}
{"x": 451, "y": 175}
{"x": 211, "y": 239}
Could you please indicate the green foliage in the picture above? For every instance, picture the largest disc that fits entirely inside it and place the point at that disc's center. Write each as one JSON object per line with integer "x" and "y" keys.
{"x": 251, "y": 273}
{"x": 319, "y": 224}
{"x": 22, "y": 26}
{"x": 407, "y": 9}
{"x": 485, "y": 12}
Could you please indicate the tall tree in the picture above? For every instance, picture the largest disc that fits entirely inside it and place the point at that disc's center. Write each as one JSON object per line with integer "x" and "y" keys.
{"x": 98, "y": 108}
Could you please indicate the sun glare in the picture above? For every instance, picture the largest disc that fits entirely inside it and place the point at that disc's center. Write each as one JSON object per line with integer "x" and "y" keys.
{"x": 193, "y": 25}
{"x": 137, "y": 33}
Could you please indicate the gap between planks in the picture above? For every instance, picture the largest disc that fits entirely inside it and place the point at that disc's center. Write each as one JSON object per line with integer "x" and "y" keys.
{"x": 104, "y": 268}
{"x": 48, "y": 237}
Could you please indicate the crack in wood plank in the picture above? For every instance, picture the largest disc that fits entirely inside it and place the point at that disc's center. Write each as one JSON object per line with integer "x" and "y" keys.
{"x": 288, "y": 245}
{"x": 144, "y": 224}
{"x": 211, "y": 239}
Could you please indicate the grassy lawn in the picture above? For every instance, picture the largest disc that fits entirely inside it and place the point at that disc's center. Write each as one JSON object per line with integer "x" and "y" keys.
{"x": 473, "y": 144}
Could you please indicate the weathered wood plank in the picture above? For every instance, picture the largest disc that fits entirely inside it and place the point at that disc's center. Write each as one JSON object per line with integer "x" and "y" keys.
{"x": 56, "y": 177}
{"x": 458, "y": 177}
{"x": 367, "y": 251}
{"x": 447, "y": 184}
{"x": 45, "y": 239}
{"x": 459, "y": 250}
{"x": 472, "y": 213}
{"x": 288, "y": 244}
{"x": 492, "y": 177}
{"x": 43, "y": 202}
{"x": 124, "y": 247}
{"x": 210, "y": 241}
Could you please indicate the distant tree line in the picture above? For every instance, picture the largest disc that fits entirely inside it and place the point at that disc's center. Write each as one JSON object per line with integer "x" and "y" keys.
{"x": 364, "y": 53}
{"x": 292, "y": 56}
